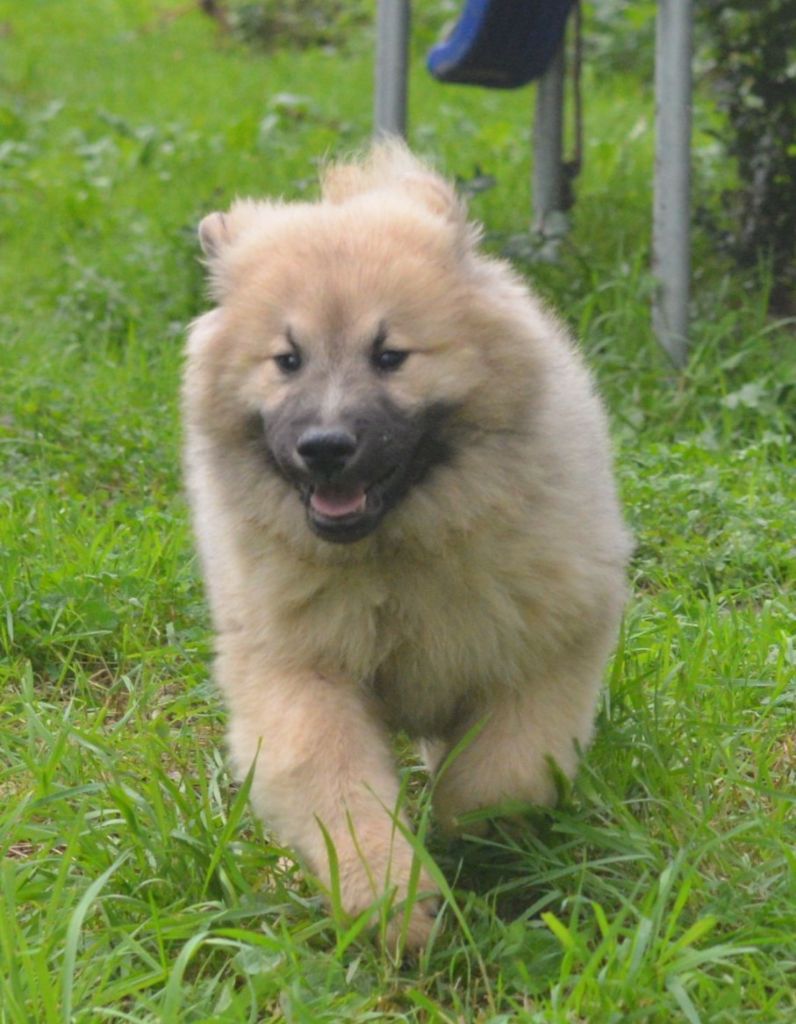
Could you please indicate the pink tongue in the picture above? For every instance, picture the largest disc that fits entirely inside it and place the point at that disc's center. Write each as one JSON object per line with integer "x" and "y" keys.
{"x": 333, "y": 506}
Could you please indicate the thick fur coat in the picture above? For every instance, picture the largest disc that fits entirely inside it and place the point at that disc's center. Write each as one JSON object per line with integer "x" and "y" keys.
{"x": 402, "y": 493}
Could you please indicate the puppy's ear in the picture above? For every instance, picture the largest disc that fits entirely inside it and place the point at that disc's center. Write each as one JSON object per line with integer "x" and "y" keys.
{"x": 213, "y": 234}
{"x": 391, "y": 165}
{"x": 218, "y": 235}
{"x": 217, "y": 231}
{"x": 436, "y": 194}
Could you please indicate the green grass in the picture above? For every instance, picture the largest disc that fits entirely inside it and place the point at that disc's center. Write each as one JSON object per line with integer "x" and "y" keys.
{"x": 135, "y": 884}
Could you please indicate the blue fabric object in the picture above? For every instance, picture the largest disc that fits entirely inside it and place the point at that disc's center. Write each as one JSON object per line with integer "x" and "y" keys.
{"x": 500, "y": 44}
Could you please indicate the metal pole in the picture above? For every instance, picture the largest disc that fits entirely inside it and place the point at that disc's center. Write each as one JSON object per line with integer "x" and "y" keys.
{"x": 548, "y": 141}
{"x": 392, "y": 58}
{"x": 671, "y": 255}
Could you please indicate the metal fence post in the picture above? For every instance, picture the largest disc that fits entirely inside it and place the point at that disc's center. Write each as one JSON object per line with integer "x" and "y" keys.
{"x": 548, "y": 144}
{"x": 392, "y": 57}
{"x": 671, "y": 251}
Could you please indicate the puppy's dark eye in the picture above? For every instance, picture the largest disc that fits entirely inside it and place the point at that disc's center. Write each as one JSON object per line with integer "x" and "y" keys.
{"x": 288, "y": 362}
{"x": 389, "y": 359}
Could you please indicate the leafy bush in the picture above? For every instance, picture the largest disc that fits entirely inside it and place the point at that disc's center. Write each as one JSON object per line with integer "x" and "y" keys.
{"x": 753, "y": 71}
{"x": 619, "y": 36}
{"x": 298, "y": 23}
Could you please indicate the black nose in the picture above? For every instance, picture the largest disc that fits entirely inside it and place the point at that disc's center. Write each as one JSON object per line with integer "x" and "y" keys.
{"x": 326, "y": 450}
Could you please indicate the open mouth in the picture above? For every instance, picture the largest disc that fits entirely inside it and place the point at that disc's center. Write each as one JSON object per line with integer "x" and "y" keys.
{"x": 349, "y": 512}
{"x": 332, "y": 504}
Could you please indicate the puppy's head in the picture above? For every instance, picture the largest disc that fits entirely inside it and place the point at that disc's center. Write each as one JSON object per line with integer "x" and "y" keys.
{"x": 345, "y": 356}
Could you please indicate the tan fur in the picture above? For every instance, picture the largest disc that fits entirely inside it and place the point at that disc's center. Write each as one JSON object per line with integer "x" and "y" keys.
{"x": 491, "y": 594}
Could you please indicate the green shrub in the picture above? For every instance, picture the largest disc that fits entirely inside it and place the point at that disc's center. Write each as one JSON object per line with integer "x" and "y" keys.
{"x": 752, "y": 65}
{"x": 298, "y": 23}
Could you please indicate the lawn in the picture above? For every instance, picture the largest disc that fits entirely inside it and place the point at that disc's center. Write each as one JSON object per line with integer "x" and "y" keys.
{"x": 136, "y": 884}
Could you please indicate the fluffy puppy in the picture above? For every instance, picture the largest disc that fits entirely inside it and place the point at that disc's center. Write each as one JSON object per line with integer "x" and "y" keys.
{"x": 403, "y": 500}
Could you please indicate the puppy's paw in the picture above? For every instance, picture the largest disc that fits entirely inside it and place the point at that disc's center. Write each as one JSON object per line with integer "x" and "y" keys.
{"x": 409, "y": 928}
{"x": 409, "y": 907}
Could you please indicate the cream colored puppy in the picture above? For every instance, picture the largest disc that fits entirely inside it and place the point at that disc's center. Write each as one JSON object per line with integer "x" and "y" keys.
{"x": 403, "y": 499}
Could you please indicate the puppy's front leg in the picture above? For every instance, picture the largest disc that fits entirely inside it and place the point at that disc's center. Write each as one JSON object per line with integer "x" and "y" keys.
{"x": 323, "y": 757}
{"x": 517, "y": 741}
